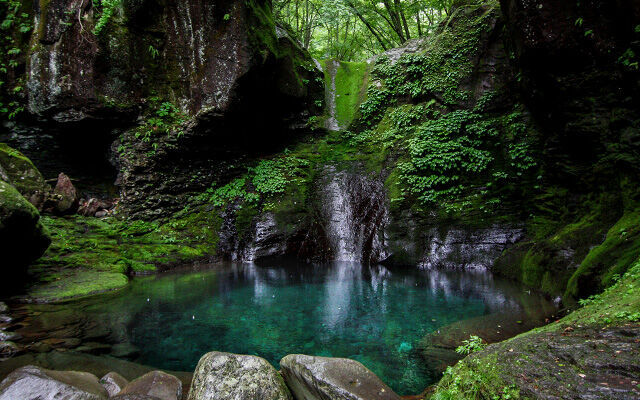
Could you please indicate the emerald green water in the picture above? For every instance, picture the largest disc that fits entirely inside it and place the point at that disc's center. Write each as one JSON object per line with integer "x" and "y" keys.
{"x": 371, "y": 314}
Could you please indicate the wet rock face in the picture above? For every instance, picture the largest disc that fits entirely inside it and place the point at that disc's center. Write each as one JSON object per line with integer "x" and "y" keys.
{"x": 344, "y": 221}
{"x": 319, "y": 378}
{"x": 435, "y": 244}
{"x": 217, "y": 62}
{"x": 62, "y": 63}
{"x": 467, "y": 249}
{"x": 34, "y": 383}
{"x": 353, "y": 211}
{"x": 226, "y": 376}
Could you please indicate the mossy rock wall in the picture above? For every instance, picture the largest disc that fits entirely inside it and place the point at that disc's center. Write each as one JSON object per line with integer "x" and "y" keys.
{"x": 212, "y": 82}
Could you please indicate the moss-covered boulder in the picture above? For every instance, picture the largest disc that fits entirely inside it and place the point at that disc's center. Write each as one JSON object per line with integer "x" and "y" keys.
{"x": 591, "y": 353}
{"x": 19, "y": 171}
{"x": 22, "y": 236}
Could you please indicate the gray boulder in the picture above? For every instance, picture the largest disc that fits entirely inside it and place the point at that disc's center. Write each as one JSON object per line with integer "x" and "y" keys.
{"x": 113, "y": 382}
{"x": 34, "y": 383}
{"x": 156, "y": 384}
{"x": 323, "y": 378}
{"x": 226, "y": 376}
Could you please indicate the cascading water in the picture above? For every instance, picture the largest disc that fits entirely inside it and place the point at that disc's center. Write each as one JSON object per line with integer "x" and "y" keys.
{"x": 353, "y": 213}
{"x": 330, "y": 96}
{"x": 339, "y": 218}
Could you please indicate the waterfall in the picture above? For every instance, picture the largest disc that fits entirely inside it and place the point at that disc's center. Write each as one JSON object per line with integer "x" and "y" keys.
{"x": 348, "y": 223}
{"x": 354, "y": 213}
{"x": 340, "y": 220}
{"x": 330, "y": 96}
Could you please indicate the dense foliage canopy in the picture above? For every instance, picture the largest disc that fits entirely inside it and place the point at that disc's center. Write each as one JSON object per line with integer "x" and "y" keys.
{"x": 357, "y": 29}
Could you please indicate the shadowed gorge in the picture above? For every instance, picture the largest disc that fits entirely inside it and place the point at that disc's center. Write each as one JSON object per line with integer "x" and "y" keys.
{"x": 273, "y": 199}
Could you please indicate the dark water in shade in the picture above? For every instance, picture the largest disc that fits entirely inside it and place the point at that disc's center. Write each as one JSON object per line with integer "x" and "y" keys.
{"x": 371, "y": 314}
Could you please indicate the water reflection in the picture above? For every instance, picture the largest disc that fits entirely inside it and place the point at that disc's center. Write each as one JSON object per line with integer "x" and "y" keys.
{"x": 383, "y": 318}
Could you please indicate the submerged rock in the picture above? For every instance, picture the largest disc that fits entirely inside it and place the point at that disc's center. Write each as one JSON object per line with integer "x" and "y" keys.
{"x": 320, "y": 378}
{"x": 124, "y": 350}
{"x": 155, "y": 384}
{"x": 113, "y": 383}
{"x": 226, "y": 376}
{"x": 34, "y": 383}
{"x": 8, "y": 349}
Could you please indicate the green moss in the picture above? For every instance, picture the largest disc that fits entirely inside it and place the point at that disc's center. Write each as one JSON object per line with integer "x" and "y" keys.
{"x": 618, "y": 304}
{"x": 261, "y": 26}
{"x": 558, "y": 240}
{"x": 475, "y": 379}
{"x": 486, "y": 375}
{"x": 85, "y": 244}
{"x": 532, "y": 269}
{"x": 244, "y": 220}
{"x": 12, "y": 202}
{"x": 350, "y": 83}
{"x": 67, "y": 285}
{"x": 21, "y": 171}
{"x": 619, "y": 249}
{"x": 442, "y": 67}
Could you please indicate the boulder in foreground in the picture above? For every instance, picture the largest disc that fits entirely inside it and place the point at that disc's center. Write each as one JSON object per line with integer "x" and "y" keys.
{"x": 155, "y": 384}
{"x": 34, "y": 383}
{"x": 320, "y": 378}
{"x": 226, "y": 376}
{"x": 113, "y": 382}
{"x": 17, "y": 170}
{"x": 22, "y": 236}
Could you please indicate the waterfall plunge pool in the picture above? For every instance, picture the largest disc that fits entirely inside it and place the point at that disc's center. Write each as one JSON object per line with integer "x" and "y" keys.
{"x": 402, "y": 324}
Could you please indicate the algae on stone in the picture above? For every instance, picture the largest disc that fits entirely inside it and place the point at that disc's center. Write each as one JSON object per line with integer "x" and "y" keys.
{"x": 23, "y": 239}
{"x": 23, "y": 175}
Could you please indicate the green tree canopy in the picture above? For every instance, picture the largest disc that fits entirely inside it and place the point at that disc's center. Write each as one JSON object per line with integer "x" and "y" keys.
{"x": 357, "y": 29}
